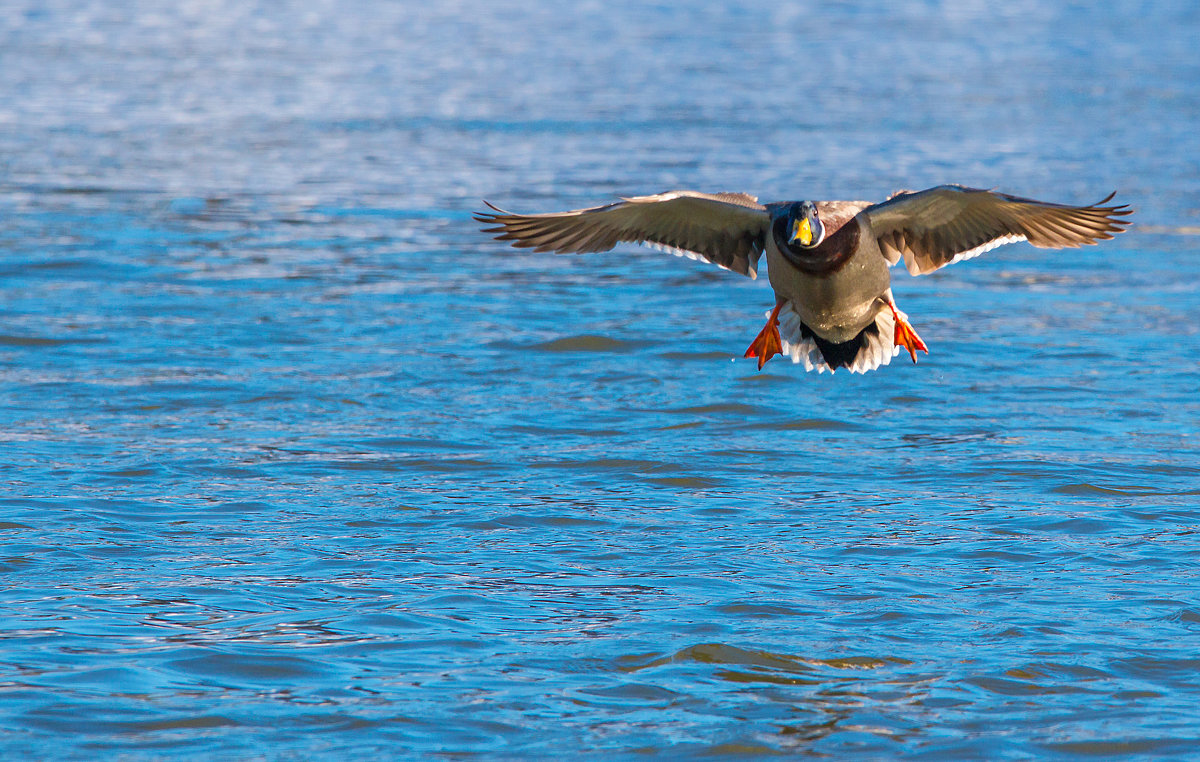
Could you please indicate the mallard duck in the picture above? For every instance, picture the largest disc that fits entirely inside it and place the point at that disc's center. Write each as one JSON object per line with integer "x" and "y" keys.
{"x": 827, "y": 260}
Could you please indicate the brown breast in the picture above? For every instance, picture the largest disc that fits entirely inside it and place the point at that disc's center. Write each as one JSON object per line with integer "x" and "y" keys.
{"x": 841, "y": 241}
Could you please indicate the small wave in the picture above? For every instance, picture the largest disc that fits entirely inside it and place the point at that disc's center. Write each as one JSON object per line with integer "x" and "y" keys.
{"x": 587, "y": 343}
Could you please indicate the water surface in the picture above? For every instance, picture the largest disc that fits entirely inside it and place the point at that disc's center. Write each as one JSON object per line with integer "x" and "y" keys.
{"x": 296, "y": 462}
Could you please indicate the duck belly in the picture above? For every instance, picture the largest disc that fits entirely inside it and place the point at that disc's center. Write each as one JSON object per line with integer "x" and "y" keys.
{"x": 836, "y": 305}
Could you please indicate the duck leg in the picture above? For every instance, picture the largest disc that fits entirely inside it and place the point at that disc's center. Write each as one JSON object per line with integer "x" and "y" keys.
{"x": 905, "y": 336}
{"x": 767, "y": 344}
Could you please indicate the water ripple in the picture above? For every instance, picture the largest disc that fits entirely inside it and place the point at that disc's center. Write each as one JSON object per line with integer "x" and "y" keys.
{"x": 296, "y": 459}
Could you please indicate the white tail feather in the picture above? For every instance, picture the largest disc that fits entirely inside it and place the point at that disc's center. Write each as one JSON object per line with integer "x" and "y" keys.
{"x": 877, "y": 349}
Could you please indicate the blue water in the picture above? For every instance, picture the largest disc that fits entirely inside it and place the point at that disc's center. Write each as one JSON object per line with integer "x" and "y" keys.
{"x": 297, "y": 463}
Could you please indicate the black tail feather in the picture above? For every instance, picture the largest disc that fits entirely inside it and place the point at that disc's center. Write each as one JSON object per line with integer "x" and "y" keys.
{"x": 841, "y": 354}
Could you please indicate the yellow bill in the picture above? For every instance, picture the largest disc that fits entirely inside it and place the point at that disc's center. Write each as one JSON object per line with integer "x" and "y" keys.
{"x": 801, "y": 232}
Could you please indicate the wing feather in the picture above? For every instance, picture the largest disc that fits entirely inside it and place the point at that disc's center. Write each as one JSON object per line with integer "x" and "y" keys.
{"x": 939, "y": 226}
{"x": 727, "y": 229}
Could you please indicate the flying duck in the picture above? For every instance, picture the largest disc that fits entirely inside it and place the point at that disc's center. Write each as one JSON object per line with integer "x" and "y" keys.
{"x": 827, "y": 260}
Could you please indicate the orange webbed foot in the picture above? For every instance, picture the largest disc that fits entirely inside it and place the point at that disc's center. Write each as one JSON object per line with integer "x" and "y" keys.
{"x": 767, "y": 344}
{"x": 906, "y": 336}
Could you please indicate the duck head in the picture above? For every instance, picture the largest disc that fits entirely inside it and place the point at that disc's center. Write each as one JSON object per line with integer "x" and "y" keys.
{"x": 804, "y": 227}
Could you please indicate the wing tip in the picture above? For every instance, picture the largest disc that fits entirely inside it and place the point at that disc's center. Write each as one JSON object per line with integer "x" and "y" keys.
{"x": 1112, "y": 217}
{"x": 1118, "y": 209}
{"x": 492, "y": 216}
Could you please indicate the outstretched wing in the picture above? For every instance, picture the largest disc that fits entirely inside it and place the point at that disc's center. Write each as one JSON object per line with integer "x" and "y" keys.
{"x": 727, "y": 229}
{"x": 936, "y": 227}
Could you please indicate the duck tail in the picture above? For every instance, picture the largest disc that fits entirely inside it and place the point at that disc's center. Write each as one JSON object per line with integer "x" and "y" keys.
{"x": 871, "y": 348}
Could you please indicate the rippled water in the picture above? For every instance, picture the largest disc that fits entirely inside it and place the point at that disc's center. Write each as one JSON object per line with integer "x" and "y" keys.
{"x": 297, "y": 462}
